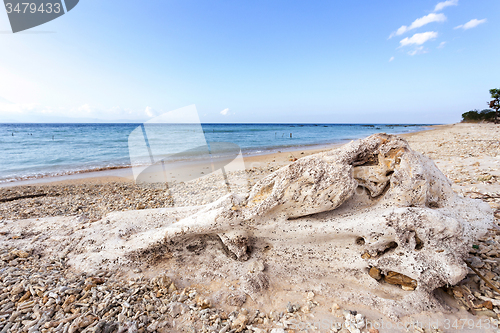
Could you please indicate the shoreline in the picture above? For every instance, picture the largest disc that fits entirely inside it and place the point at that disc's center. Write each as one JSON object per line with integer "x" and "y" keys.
{"x": 125, "y": 174}
{"x": 457, "y": 149}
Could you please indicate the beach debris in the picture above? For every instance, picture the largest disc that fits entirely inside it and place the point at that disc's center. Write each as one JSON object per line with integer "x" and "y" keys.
{"x": 483, "y": 278}
{"x": 375, "y": 273}
{"x": 354, "y": 321}
{"x": 403, "y": 191}
{"x": 335, "y": 307}
{"x": 404, "y": 281}
{"x": 256, "y": 266}
{"x": 56, "y": 301}
{"x": 240, "y": 323}
{"x": 395, "y": 204}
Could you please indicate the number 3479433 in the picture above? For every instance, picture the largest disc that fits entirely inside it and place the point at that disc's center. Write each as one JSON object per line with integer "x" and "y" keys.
{"x": 27, "y": 8}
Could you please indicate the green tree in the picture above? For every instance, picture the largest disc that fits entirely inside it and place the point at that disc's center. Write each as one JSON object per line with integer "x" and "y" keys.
{"x": 487, "y": 115}
{"x": 471, "y": 116}
{"x": 495, "y": 103}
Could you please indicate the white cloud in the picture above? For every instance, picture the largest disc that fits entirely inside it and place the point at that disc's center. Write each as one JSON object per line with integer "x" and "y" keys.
{"x": 85, "y": 108}
{"x": 471, "y": 24}
{"x": 108, "y": 113}
{"x": 417, "y": 50}
{"x": 8, "y": 108}
{"x": 444, "y": 4}
{"x": 391, "y": 59}
{"x": 224, "y": 112}
{"x": 441, "y": 45}
{"x": 420, "y": 22}
{"x": 28, "y": 112}
{"x": 400, "y": 31}
{"x": 418, "y": 39}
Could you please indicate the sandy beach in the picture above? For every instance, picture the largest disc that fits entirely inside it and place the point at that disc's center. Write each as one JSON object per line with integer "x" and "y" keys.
{"x": 42, "y": 290}
{"x": 96, "y": 193}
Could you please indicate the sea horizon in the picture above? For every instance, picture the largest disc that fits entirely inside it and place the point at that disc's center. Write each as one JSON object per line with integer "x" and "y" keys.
{"x": 39, "y": 150}
{"x": 211, "y": 123}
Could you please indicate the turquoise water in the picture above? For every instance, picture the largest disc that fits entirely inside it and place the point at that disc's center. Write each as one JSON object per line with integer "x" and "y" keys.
{"x": 37, "y": 150}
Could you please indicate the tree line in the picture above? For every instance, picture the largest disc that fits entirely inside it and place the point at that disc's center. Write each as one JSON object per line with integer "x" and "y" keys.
{"x": 487, "y": 115}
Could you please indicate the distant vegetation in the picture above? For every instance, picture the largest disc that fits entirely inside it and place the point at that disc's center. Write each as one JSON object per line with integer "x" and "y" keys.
{"x": 487, "y": 115}
{"x": 473, "y": 116}
{"x": 495, "y": 103}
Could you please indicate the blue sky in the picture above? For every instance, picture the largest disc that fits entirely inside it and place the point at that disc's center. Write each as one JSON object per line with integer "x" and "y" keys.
{"x": 254, "y": 61}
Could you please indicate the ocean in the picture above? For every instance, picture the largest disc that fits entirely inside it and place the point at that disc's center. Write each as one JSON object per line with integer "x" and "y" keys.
{"x": 29, "y": 151}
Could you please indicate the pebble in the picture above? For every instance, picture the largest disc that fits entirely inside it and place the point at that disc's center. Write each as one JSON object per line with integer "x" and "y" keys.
{"x": 256, "y": 266}
{"x": 20, "y": 253}
{"x": 91, "y": 202}
{"x": 291, "y": 308}
{"x": 400, "y": 279}
{"x": 277, "y": 330}
{"x": 176, "y": 309}
{"x": 240, "y": 322}
{"x": 375, "y": 273}
{"x": 56, "y": 299}
{"x": 476, "y": 262}
{"x": 354, "y": 321}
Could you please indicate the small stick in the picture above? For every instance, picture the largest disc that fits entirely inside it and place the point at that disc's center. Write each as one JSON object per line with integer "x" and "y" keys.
{"x": 485, "y": 196}
{"x": 483, "y": 278}
{"x": 23, "y": 197}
